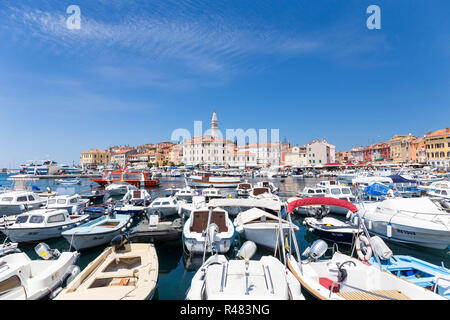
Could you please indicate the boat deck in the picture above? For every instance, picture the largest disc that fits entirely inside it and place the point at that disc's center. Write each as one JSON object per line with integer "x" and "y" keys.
{"x": 359, "y": 295}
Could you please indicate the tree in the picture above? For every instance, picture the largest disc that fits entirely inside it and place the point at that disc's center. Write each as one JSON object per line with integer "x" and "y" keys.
{"x": 172, "y": 164}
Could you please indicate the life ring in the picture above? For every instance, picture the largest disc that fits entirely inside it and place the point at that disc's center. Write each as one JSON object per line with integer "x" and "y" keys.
{"x": 368, "y": 254}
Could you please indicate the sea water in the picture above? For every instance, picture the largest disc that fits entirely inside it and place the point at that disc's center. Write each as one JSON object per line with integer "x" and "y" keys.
{"x": 176, "y": 267}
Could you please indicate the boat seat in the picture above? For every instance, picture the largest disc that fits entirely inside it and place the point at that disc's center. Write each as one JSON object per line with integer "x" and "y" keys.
{"x": 359, "y": 295}
{"x": 200, "y": 221}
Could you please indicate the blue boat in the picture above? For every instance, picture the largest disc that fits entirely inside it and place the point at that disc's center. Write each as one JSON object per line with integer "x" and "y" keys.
{"x": 419, "y": 272}
{"x": 97, "y": 232}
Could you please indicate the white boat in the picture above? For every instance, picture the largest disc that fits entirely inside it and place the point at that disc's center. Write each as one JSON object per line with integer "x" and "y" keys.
{"x": 343, "y": 277}
{"x": 119, "y": 188}
{"x": 122, "y": 272}
{"x": 261, "y": 227}
{"x": 97, "y": 232}
{"x": 308, "y": 192}
{"x": 417, "y": 221}
{"x": 339, "y": 192}
{"x": 212, "y": 193}
{"x": 364, "y": 181}
{"x": 171, "y": 191}
{"x": 243, "y": 189}
{"x": 206, "y": 180}
{"x": 68, "y": 181}
{"x": 15, "y": 202}
{"x": 24, "y": 279}
{"x": 265, "y": 279}
{"x": 167, "y": 206}
{"x": 440, "y": 190}
{"x": 185, "y": 208}
{"x": 40, "y": 224}
{"x": 134, "y": 203}
{"x": 267, "y": 184}
{"x": 72, "y": 203}
{"x": 186, "y": 194}
{"x": 210, "y": 229}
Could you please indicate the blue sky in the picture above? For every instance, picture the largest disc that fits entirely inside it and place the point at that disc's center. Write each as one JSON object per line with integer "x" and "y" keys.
{"x": 137, "y": 70}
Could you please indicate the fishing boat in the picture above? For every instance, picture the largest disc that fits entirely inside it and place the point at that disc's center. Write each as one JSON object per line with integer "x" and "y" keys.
{"x": 267, "y": 184}
{"x": 120, "y": 272}
{"x": 72, "y": 203}
{"x": 343, "y": 277}
{"x": 418, "y": 221}
{"x": 167, "y": 206}
{"x": 212, "y": 193}
{"x": 15, "y": 202}
{"x": 244, "y": 279}
{"x": 308, "y": 192}
{"x": 186, "y": 194}
{"x": 97, "y": 232}
{"x": 94, "y": 196}
{"x": 24, "y": 279}
{"x": 171, "y": 191}
{"x": 339, "y": 192}
{"x": 134, "y": 203}
{"x": 119, "y": 188}
{"x": 154, "y": 230}
{"x": 41, "y": 224}
{"x": 94, "y": 212}
{"x": 139, "y": 179}
{"x": 206, "y": 180}
{"x": 185, "y": 208}
{"x": 212, "y": 229}
{"x": 68, "y": 181}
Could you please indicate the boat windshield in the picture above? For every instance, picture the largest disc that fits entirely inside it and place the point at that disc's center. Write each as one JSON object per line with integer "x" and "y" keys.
{"x": 36, "y": 219}
{"x": 346, "y": 191}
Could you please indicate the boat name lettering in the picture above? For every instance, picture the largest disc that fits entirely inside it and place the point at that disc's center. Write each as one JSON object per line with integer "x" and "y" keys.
{"x": 406, "y": 232}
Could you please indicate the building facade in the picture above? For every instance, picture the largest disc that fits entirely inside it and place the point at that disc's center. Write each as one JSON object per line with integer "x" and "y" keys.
{"x": 319, "y": 153}
{"x": 94, "y": 157}
{"x": 296, "y": 157}
{"x": 437, "y": 146}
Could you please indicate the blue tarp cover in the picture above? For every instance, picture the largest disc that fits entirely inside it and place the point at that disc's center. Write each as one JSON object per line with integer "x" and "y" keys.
{"x": 376, "y": 189}
{"x": 399, "y": 179}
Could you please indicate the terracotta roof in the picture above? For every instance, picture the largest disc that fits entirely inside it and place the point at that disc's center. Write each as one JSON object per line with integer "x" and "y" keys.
{"x": 437, "y": 133}
{"x": 95, "y": 151}
{"x": 122, "y": 151}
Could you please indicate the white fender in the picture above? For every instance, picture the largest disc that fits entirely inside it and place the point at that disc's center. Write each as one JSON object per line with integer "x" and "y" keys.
{"x": 389, "y": 230}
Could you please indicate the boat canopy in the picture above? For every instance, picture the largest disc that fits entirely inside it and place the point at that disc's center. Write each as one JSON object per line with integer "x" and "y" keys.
{"x": 399, "y": 179}
{"x": 251, "y": 203}
{"x": 376, "y": 189}
{"x": 321, "y": 201}
{"x": 255, "y": 214}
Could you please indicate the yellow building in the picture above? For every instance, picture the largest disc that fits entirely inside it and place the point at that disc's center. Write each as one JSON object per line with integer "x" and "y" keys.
{"x": 400, "y": 146}
{"x": 94, "y": 157}
{"x": 437, "y": 146}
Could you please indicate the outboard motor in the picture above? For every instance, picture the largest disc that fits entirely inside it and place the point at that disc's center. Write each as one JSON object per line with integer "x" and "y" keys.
{"x": 118, "y": 242}
{"x": 211, "y": 233}
{"x": 44, "y": 251}
{"x": 317, "y": 249}
{"x": 319, "y": 213}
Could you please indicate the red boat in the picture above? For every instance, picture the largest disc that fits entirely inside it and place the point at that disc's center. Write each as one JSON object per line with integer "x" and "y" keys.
{"x": 137, "y": 178}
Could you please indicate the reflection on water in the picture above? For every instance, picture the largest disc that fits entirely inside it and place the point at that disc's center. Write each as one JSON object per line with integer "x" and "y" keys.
{"x": 176, "y": 268}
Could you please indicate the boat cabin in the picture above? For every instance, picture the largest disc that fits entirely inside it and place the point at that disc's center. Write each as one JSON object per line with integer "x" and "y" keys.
{"x": 258, "y": 191}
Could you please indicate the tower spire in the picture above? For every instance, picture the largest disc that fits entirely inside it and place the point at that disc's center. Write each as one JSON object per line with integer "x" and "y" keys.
{"x": 214, "y": 125}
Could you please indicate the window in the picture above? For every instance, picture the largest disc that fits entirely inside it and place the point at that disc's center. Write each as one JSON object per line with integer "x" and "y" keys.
{"x": 36, "y": 219}
{"x": 9, "y": 199}
{"x": 156, "y": 203}
{"x": 61, "y": 201}
{"x": 56, "y": 218}
{"x": 335, "y": 191}
{"x": 346, "y": 191}
{"x": 166, "y": 203}
{"x": 51, "y": 201}
{"x": 74, "y": 200}
{"x": 22, "y": 219}
{"x": 22, "y": 199}
{"x": 31, "y": 198}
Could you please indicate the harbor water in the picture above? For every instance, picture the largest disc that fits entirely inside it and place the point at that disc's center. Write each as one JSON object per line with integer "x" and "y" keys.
{"x": 176, "y": 268}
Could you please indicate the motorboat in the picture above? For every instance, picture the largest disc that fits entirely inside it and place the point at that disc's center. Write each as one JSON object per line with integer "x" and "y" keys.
{"x": 68, "y": 181}
{"x": 120, "y": 272}
{"x": 24, "y": 279}
{"x": 95, "y": 211}
{"x": 422, "y": 273}
{"x": 15, "y": 202}
{"x": 167, "y": 206}
{"x": 343, "y": 277}
{"x": 41, "y": 224}
{"x": 72, "y": 203}
{"x": 206, "y": 180}
{"x": 267, "y": 184}
{"x": 262, "y": 227}
{"x": 8, "y": 248}
{"x": 210, "y": 229}
{"x": 330, "y": 228}
{"x": 418, "y": 221}
{"x": 186, "y": 194}
{"x": 97, "y": 232}
{"x": 212, "y": 193}
{"x": 308, "y": 192}
{"x": 440, "y": 190}
{"x": 185, "y": 208}
{"x": 339, "y": 192}
{"x": 234, "y": 206}
{"x": 119, "y": 188}
{"x": 243, "y": 189}
{"x": 134, "y": 203}
{"x": 154, "y": 230}
{"x": 244, "y": 279}
{"x": 94, "y": 196}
